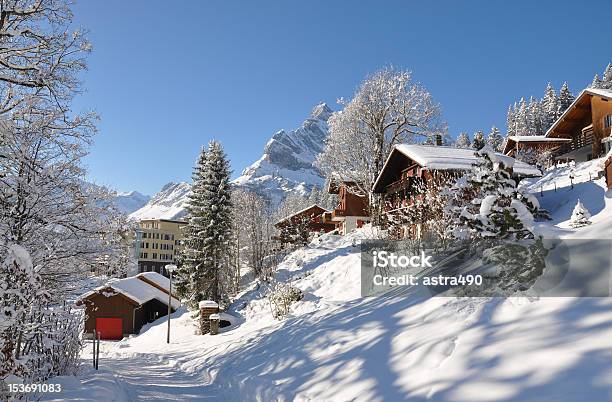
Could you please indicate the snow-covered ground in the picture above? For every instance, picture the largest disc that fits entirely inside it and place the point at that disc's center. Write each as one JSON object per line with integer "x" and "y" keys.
{"x": 400, "y": 346}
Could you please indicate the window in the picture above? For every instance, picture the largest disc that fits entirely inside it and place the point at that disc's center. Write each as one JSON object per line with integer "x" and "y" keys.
{"x": 608, "y": 121}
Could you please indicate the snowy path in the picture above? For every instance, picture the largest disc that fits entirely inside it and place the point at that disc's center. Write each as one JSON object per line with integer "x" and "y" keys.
{"x": 153, "y": 378}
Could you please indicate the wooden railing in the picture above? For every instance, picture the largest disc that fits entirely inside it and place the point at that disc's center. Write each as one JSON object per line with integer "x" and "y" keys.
{"x": 579, "y": 141}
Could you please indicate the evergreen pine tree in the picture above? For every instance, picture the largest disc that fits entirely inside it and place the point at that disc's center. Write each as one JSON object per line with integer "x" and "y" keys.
{"x": 488, "y": 204}
{"x": 479, "y": 140}
{"x": 206, "y": 270}
{"x": 596, "y": 82}
{"x": 463, "y": 140}
{"x": 566, "y": 98}
{"x": 550, "y": 107}
{"x": 511, "y": 120}
{"x": 606, "y": 81}
{"x": 580, "y": 216}
{"x": 495, "y": 139}
{"x": 521, "y": 123}
{"x": 534, "y": 117}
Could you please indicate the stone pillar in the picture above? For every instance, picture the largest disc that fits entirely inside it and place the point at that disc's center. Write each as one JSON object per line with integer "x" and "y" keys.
{"x": 207, "y": 307}
{"x": 214, "y": 323}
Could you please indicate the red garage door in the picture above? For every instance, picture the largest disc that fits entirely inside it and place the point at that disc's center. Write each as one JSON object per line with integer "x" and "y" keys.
{"x": 110, "y": 328}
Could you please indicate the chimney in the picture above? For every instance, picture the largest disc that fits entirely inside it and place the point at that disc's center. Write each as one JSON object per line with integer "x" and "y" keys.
{"x": 438, "y": 140}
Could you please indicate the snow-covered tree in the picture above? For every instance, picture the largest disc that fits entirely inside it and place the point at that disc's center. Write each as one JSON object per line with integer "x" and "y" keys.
{"x": 479, "y": 140}
{"x": 511, "y": 120}
{"x": 254, "y": 229}
{"x": 596, "y": 83}
{"x": 387, "y": 109}
{"x": 463, "y": 140}
{"x": 606, "y": 81}
{"x": 521, "y": 122}
{"x": 580, "y": 216}
{"x": 206, "y": 271}
{"x": 40, "y": 57}
{"x": 534, "y": 117}
{"x": 495, "y": 139}
{"x": 38, "y": 339}
{"x": 566, "y": 98}
{"x": 486, "y": 203}
{"x": 46, "y": 207}
{"x": 550, "y": 107}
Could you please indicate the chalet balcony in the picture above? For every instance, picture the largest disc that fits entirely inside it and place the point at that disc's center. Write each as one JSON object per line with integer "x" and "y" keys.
{"x": 398, "y": 186}
{"x": 585, "y": 139}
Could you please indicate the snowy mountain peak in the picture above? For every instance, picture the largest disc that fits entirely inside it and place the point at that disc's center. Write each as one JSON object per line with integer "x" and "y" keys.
{"x": 321, "y": 112}
{"x": 169, "y": 203}
{"x": 287, "y": 163}
{"x": 128, "y": 202}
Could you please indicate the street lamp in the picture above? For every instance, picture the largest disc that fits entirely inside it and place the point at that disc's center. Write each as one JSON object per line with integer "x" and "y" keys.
{"x": 170, "y": 268}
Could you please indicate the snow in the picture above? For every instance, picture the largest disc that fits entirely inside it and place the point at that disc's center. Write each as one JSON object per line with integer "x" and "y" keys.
{"x": 137, "y": 290}
{"x": 537, "y": 138}
{"x": 287, "y": 163}
{"x": 208, "y": 304}
{"x": 129, "y": 202}
{"x": 403, "y": 345}
{"x": 20, "y": 256}
{"x": 450, "y": 158}
{"x": 157, "y": 279}
{"x": 169, "y": 203}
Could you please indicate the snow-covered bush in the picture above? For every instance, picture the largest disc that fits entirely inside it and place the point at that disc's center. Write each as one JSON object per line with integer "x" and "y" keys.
{"x": 580, "y": 216}
{"x": 281, "y": 296}
{"x": 487, "y": 204}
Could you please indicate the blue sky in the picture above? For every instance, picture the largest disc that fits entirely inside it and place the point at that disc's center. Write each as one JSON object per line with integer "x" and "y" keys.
{"x": 166, "y": 77}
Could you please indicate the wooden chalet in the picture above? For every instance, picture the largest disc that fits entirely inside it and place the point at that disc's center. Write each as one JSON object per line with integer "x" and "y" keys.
{"x": 581, "y": 133}
{"x": 123, "y": 306}
{"x": 352, "y": 211}
{"x": 409, "y": 168}
{"x": 313, "y": 218}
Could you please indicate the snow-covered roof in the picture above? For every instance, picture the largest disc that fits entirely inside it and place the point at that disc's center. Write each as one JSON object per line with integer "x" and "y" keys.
{"x": 449, "y": 158}
{"x": 433, "y": 157}
{"x": 157, "y": 279}
{"x": 605, "y": 93}
{"x": 136, "y": 290}
{"x": 536, "y": 138}
{"x": 299, "y": 212}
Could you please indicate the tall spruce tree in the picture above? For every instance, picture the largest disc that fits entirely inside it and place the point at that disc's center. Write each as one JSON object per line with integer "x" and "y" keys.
{"x": 596, "y": 82}
{"x": 495, "y": 139}
{"x": 566, "y": 98}
{"x": 521, "y": 125}
{"x": 511, "y": 120}
{"x": 606, "y": 81}
{"x": 206, "y": 271}
{"x": 534, "y": 117}
{"x": 550, "y": 107}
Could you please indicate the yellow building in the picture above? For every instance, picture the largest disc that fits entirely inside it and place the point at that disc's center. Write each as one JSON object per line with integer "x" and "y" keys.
{"x": 158, "y": 243}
